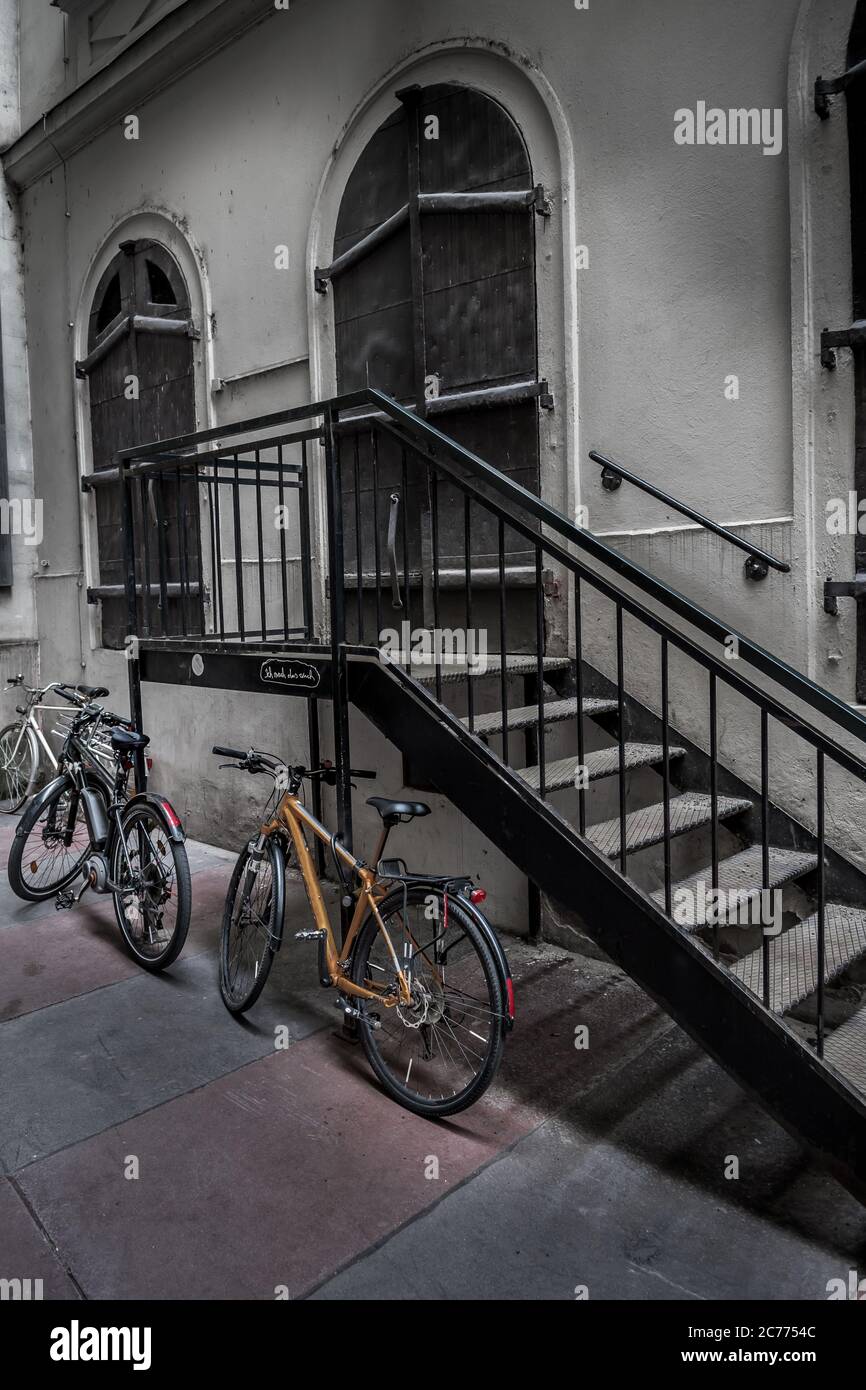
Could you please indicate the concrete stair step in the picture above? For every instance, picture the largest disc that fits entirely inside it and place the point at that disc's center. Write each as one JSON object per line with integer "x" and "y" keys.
{"x": 794, "y": 956}
{"x": 602, "y": 763}
{"x": 646, "y": 827}
{"x": 555, "y": 712}
{"x": 518, "y": 665}
{"x": 845, "y": 1049}
{"x": 741, "y": 875}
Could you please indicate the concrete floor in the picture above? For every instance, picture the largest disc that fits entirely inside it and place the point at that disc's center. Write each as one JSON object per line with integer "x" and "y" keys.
{"x": 268, "y": 1173}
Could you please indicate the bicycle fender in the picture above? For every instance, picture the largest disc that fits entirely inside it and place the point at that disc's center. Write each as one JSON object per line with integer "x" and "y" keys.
{"x": 39, "y": 802}
{"x": 497, "y": 951}
{"x": 164, "y": 809}
{"x": 500, "y": 959}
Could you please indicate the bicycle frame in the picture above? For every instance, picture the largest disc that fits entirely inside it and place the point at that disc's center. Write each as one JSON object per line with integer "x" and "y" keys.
{"x": 291, "y": 815}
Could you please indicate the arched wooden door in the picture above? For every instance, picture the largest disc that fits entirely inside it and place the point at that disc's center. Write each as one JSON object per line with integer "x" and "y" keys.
{"x": 140, "y": 372}
{"x": 434, "y": 295}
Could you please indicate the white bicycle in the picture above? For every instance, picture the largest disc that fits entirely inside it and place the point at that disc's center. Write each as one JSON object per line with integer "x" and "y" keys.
{"x": 23, "y": 745}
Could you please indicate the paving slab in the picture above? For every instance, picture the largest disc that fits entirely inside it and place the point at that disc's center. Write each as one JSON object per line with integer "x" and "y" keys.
{"x": 69, "y": 1071}
{"x": 296, "y": 1164}
{"x": 591, "y": 1205}
{"x": 50, "y": 956}
{"x": 26, "y": 1254}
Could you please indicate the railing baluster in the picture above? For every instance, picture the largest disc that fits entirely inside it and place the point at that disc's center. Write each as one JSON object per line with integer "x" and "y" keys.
{"x": 467, "y": 558}
{"x": 714, "y": 806}
{"x": 162, "y": 558}
{"x": 377, "y": 544}
{"x": 261, "y": 546}
{"x": 239, "y": 559}
{"x": 765, "y": 846}
{"x": 578, "y": 684}
{"x": 434, "y": 538}
{"x": 217, "y": 531}
{"x": 666, "y": 777}
{"x": 539, "y": 668}
{"x": 145, "y": 547}
{"x": 822, "y": 897}
{"x": 407, "y": 581}
{"x": 359, "y": 566}
{"x": 199, "y": 554}
{"x": 503, "y": 641}
{"x": 281, "y": 530}
{"x": 181, "y": 529}
{"x": 620, "y": 691}
{"x": 305, "y": 502}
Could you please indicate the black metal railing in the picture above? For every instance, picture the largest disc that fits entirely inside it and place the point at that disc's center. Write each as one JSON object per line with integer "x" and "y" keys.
{"x": 430, "y": 546}
{"x": 218, "y": 540}
{"x": 478, "y": 520}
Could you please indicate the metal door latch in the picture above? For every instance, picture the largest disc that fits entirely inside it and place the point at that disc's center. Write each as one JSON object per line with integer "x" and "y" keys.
{"x": 831, "y": 339}
{"x": 835, "y": 589}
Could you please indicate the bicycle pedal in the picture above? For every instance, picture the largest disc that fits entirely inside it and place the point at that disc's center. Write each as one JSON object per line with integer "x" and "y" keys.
{"x": 64, "y": 900}
{"x": 310, "y": 935}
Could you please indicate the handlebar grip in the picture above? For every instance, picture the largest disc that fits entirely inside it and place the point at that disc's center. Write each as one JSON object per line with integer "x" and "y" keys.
{"x": 69, "y": 694}
{"x": 227, "y": 752}
{"x": 93, "y": 692}
{"x": 362, "y": 772}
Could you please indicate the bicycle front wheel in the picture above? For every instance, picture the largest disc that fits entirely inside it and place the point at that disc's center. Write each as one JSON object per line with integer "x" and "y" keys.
{"x": 252, "y": 925}
{"x": 19, "y": 765}
{"x": 438, "y": 1053}
{"x": 51, "y": 844}
{"x": 153, "y": 897}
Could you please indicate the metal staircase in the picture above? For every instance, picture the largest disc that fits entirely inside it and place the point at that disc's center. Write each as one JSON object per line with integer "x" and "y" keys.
{"x": 559, "y": 746}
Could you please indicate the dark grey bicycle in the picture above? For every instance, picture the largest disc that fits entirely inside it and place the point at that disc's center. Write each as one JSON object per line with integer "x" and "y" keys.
{"x": 86, "y": 826}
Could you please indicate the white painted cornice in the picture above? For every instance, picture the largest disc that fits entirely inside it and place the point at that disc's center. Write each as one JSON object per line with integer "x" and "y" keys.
{"x": 174, "y": 45}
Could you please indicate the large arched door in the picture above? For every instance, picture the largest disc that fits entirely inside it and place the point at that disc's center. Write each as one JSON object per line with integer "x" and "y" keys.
{"x": 140, "y": 372}
{"x": 434, "y": 293}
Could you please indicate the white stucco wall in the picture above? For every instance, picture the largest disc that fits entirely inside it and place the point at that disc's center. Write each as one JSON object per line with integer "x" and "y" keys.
{"x": 688, "y": 279}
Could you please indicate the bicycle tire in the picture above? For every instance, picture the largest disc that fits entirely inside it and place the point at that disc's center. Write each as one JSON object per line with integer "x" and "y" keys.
{"x": 29, "y": 889}
{"x": 161, "y": 959}
{"x": 491, "y": 1012}
{"x": 27, "y": 779}
{"x": 237, "y": 995}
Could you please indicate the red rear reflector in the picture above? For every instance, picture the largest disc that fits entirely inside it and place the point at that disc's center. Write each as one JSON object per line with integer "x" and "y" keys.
{"x": 478, "y": 895}
{"x": 149, "y": 762}
{"x": 171, "y": 815}
{"x": 509, "y": 994}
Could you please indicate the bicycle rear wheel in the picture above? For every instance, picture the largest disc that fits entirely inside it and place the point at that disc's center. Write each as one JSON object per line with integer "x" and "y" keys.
{"x": 19, "y": 765}
{"x": 153, "y": 901}
{"x": 252, "y": 925}
{"x": 439, "y": 1053}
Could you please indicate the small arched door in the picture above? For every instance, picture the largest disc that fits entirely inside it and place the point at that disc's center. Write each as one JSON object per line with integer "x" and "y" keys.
{"x": 140, "y": 372}
{"x": 434, "y": 294}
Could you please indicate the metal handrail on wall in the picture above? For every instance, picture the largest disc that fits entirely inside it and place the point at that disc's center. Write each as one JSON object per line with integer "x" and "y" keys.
{"x": 759, "y": 561}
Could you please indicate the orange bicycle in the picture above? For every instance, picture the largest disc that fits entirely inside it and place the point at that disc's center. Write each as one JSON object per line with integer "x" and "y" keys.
{"x": 420, "y": 970}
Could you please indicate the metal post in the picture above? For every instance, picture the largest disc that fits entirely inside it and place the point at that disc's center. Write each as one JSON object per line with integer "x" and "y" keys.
{"x": 339, "y": 664}
{"x": 132, "y": 659}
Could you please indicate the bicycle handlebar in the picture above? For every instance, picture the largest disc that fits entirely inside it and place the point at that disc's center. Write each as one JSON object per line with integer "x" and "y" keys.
{"x": 254, "y": 761}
